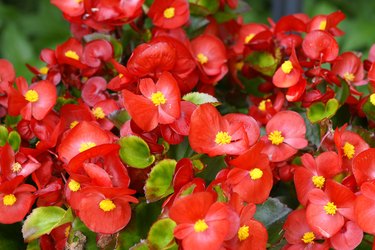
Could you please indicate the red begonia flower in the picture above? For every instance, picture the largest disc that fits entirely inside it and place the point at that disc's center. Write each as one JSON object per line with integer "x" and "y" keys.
{"x": 321, "y": 46}
{"x": 350, "y": 68}
{"x": 285, "y": 135}
{"x": 72, "y": 114}
{"x": 246, "y": 35}
{"x": 169, "y": 14}
{"x": 96, "y": 52}
{"x": 101, "y": 110}
{"x": 364, "y": 208}
{"x": 327, "y": 22}
{"x": 327, "y": 210}
{"x": 364, "y": 166}
{"x": 212, "y": 134}
{"x": 348, "y": 238}
{"x": 70, "y": 52}
{"x": 93, "y": 90}
{"x": 70, "y": 7}
{"x": 289, "y": 73}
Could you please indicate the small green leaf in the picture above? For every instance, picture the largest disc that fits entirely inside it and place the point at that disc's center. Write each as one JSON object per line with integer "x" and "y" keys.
{"x": 140, "y": 246}
{"x": 203, "y": 7}
{"x": 159, "y": 182}
{"x": 369, "y": 109}
{"x": 263, "y": 62}
{"x": 14, "y": 140}
{"x": 43, "y": 220}
{"x": 320, "y": 111}
{"x": 161, "y": 234}
{"x": 135, "y": 152}
{"x": 119, "y": 117}
{"x": 3, "y": 135}
{"x": 342, "y": 92}
{"x": 200, "y": 98}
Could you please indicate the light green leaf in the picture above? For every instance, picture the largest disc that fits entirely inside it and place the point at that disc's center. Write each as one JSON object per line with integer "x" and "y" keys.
{"x": 14, "y": 140}
{"x": 135, "y": 152}
{"x": 200, "y": 98}
{"x": 320, "y": 111}
{"x": 161, "y": 234}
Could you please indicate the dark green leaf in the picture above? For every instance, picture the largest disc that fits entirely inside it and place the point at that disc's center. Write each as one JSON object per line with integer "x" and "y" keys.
{"x": 11, "y": 237}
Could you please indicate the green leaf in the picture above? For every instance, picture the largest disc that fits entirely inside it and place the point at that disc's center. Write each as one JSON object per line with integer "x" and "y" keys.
{"x": 342, "y": 92}
{"x": 135, "y": 152}
{"x": 200, "y": 98}
{"x": 161, "y": 234}
{"x": 140, "y": 246}
{"x": 203, "y": 7}
{"x": 80, "y": 235}
{"x": 34, "y": 245}
{"x": 159, "y": 182}
{"x": 369, "y": 109}
{"x": 3, "y": 135}
{"x": 263, "y": 62}
{"x": 119, "y": 117}
{"x": 43, "y": 220}
{"x": 320, "y": 111}
{"x": 14, "y": 140}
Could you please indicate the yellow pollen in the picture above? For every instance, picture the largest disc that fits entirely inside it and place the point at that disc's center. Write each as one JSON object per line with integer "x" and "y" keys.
{"x": 120, "y": 75}
{"x": 72, "y": 54}
{"x": 31, "y": 96}
{"x": 349, "y": 150}
{"x": 243, "y": 233}
{"x": 43, "y": 70}
{"x": 349, "y": 77}
{"x": 200, "y": 226}
{"x": 202, "y": 59}
{"x": 262, "y": 105}
{"x": 79, "y": 1}
{"x": 318, "y": 181}
{"x": 9, "y": 200}
{"x": 372, "y": 99}
{"x": 308, "y": 237}
{"x": 98, "y": 113}
{"x": 107, "y": 205}
{"x": 239, "y": 65}
{"x": 16, "y": 167}
{"x": 275, "y": 137}
{"x": 67, "y": 231}
{"x": 158, "y": 98}
{"x": 86, "y": 145}
{"x": 330, "y": 208}
{"x": 169, "y": 12}
{"x": 256, "y": 173}
{"x": 287, "y": 67}
{"x": 322, "y": 25}
{"x": 223, "y": 138}
{"x": 73, "y": 124}
{"x": 74, "y": 185}
{"x": 249, "y": 37}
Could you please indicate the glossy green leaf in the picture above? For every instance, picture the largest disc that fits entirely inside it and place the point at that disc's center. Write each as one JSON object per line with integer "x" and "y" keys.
{"x": 161, "y": 234}
{"x": 3, "y": 135}
{"x": 200, "y": 98}
{"x": 135, "y": 152}
{"x": 159, "y": 182}
{"x": 263, "y": 62}
{"x": 14, "y": 140}
{"x": 320, "y": 111}
{"x": 43, "y": 220}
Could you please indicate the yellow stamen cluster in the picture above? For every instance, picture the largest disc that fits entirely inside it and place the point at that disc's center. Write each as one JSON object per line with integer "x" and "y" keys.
{"x": 330, "y": 208}
{"x": 323, "y": 24}
{"x": 243, "y": 233}
{"x": 372, "y": 99}
{"x": 349, "y": 150}
{"x": 9, "y": 200}
{"x": 74, "y": 186}
{"x": 287, "y": 67}
{"x": 86, "y": 145}
{"x": 107, "y": 205}
{"x": 72, "y": 55}
{"x": 262, "y": 105}
{"x": 16, "y": 167}
{"x": 43, "y": 70}
{"x": 349, "y": 76}
{"x": 98, "y": 113}
{"x": 169, "y": 12}
{"x": 308, "y": 237}
{"x": 249, "y": 37}
{"x": 158, "y": 98}
{"x": 202, "y": 59}
{"x": 276, "y": 137}
{"x": 223, "y": 138}
{"x": 256, "y": 173}
{"x": 31, "y": 96}
{"x": 318, "y": 181}
{"x": 200, "y": 226}
{"x": 73, "y": 124}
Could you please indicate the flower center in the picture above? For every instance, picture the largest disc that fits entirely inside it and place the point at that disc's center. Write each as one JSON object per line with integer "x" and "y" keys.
{"x": 349, "y": 150}
{"x": 79, "y": 1}
{"x": 73, "y": 124}
{"x": 330, "y": 208}
{"x": 86, "y": 145}
{"x": 323, "y": 24}
{"x": 43, "y": 70}
{"x": 275, "y": 137}
{"x": 31, "y": 96}
{"x": 169, "y": 12}
{"x": 287, "y": 66}
{"x": 74, "y": 185}
{"x": 262, "y": 105}
{"x": 223, "y": 138}
{"x": 98, "y": 113}
{"x": 308, "y": 237}
{"x": 243, "y": 233}
{"x": 16, "y": 167}
{"x": 349, "y": 77}
{"x": 318, "y": 181}
{"x": 107, "y": 205}
{"x": 158, "y": 98}
{"x": 202, "y": 59}
{"x": 372, "y": 99}
{"x": 200, "y": 226}
{"x": 72, "y": 55}
{"x": 249, "y": 37}
{"x": 9, "y": 200}
{"x": 256, "y": 173}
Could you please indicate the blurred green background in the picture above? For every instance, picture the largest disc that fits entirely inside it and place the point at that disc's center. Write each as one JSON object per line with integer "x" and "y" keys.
{"x": 27, "y": 26}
